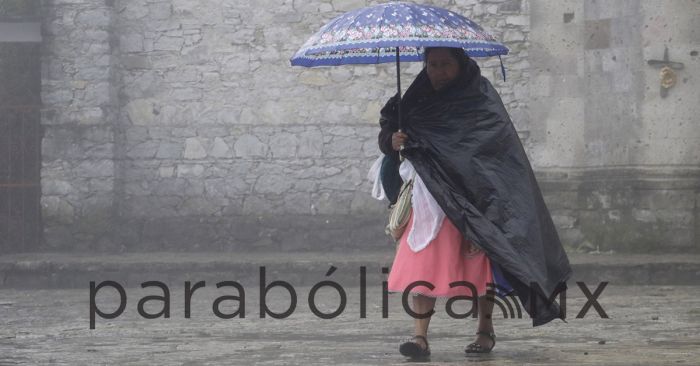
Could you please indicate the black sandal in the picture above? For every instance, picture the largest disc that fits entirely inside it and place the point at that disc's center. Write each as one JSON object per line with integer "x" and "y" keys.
{"x": 414, "y": 350}
{"x": 477, "y": 348}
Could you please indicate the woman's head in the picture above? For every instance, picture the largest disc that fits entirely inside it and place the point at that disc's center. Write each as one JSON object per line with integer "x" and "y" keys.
{"x": 444, "y": 65}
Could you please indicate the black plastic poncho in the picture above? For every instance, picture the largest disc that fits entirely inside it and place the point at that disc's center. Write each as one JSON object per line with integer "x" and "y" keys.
{"x": 465, "y": 148}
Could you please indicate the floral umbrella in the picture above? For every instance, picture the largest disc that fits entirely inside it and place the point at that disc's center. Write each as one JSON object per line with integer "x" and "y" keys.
{"x": 394, "y": 32}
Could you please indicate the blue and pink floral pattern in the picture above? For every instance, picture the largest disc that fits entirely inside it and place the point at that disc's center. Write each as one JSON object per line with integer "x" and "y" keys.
{"x": 371, "y": 35}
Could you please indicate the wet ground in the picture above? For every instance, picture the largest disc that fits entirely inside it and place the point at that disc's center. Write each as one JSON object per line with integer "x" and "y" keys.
{"x": 647, "y": 325}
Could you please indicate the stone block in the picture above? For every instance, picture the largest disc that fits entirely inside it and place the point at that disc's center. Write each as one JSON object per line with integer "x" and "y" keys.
{"x": 275, "y": 112}
{"x": 90, "y": 116}
{"x": 347, "y": 5}
{"x": 512, "y": 35}
{"x": 568, "y": 86}
{"x": 59, "y": 144}
{"x": 151, "y": 206}
{"x": 305, "y": 185}
{"x": 57, "y": 210}
{"x": 370, "y": 148}
{"x": 194, "y": 148}
{"x": 666, "y": 199}
{"x": 190, "y": 170}
{"x": 676, "y": 217}
{"x": 546, "y": 11}
{"x": 601, "y": 10}
{"x": 137, "y": 188}
{"x": 644, "y": 216}
{"x": 220, "y": 149}
{"x": 347, "y": 180}
{"x": 257, "y": 205}
{"x": 518, "y": 20}
{"x": 554, "y": 48}
{"x": 297, "y": 203}
{"x": 597, "y": 34}
{"x": 165, "y": 43}
{"x": 202, "y": 206}
{"x": 131, "y": 42}
{"x": 341, "y": 146}
{"x": 225, "y": 187}
{"x": 133, "y": 10}
{"x": 510, "y": 6}
{"x": 166, "y": 172}
{"x": 134, "y": 62}
{"x": 141, "y": 111}
{"x": 540, "y": 85}
{"x": 696, "y": 226}
{"x": 93, "y": 18}
{"x": 340, "y": 74}
{"x": 186, "y": 94}
{"x": 57, "y": 97}
{"x": 95, "y": 169}
{"x": 249, "y": 146}
{"x": 341, "y": 131}
{"x": 273, "y": 182}
{"x": 572, "y": 238}
{"x": 55, "y": 187}
{"x": 564, "y": 134}
{"x": 283, "y": 145}
{"x": 160, "y": 11}
{"x": 169, "y": 150}
{"x": 183, "y": 74}
{"x": 564, "y": 219}
{"x": 146, "y": 149}
{"x": 314, "y": 77}
{"x": 325, "y": 8}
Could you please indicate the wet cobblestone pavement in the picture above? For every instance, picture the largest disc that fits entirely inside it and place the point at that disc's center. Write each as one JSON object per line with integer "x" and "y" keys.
{"x": 648, "y": 325}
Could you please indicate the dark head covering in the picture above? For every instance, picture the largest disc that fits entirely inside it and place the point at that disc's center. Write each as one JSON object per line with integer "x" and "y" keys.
{"x": 468, "y": 80}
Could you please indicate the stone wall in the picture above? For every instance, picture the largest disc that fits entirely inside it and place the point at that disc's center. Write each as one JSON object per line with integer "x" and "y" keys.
{"x": 181, "y": 125}
{"x": 79, "y": 116}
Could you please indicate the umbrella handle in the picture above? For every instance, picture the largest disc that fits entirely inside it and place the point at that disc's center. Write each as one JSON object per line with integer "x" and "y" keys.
{"x": 401, "y": 150}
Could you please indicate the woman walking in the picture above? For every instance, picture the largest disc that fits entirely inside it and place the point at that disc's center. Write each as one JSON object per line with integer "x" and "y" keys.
{"x": 478, "y": 218}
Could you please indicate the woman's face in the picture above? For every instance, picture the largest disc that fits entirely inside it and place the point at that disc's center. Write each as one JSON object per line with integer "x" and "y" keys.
{"x": 442, "y": 67}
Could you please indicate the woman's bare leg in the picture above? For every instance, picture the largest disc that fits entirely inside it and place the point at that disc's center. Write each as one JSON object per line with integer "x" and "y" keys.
{"x": 421, "y": 305}
{"x": 485, "y": 320}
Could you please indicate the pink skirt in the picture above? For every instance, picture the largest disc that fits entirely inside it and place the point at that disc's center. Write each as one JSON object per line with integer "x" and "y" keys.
{"x": 447, "y": 259}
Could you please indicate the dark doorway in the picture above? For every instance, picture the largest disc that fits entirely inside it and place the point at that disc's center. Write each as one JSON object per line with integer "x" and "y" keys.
{"x": 20, "y": 131}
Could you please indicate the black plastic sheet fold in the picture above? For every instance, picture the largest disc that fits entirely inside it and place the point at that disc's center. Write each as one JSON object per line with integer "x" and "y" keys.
{"x": 465, "y": 148}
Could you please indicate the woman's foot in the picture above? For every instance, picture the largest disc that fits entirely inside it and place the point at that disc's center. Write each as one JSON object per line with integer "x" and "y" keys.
{"x": 415, "y": 348}
{"x": 485, "y": 341}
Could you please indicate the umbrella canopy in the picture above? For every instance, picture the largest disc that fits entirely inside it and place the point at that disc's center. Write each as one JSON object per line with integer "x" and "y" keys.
{"x": 372, "y": 34}
{"x": 396, "y": 31}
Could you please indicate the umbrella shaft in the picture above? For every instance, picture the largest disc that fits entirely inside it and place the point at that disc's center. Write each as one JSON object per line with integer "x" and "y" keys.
{"x": 398, "y": 86}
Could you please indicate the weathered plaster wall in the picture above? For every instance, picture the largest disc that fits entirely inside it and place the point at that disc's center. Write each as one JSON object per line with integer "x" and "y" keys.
{"x": 619, "y": 162}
